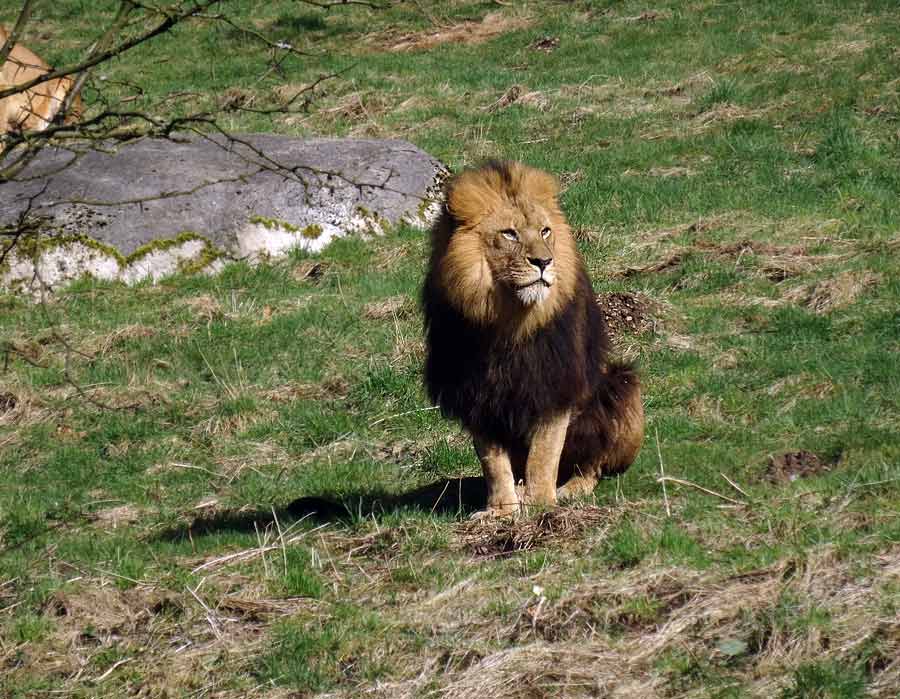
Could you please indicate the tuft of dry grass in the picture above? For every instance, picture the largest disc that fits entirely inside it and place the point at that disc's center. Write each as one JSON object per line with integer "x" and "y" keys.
{"x": 519, "y": 94}
{"x": 115, "y": 517}
{"x": 204, "y": 307}
{"x": 835, "y": 293}
{"x": 494, "y": 537}
{"x": 133, "y": 331}
{"x": 309, "y": 271}
{"x": 400, "y": 306}
{"x": 491, "y": 25}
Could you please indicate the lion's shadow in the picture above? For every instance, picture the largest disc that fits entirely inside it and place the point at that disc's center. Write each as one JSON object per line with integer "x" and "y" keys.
{"x": 451, "y": 496}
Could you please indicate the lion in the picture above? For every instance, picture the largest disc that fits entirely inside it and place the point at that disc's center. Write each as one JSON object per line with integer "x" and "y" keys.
{"x": 36, "y": 108}
{"x": 517, "y": 348}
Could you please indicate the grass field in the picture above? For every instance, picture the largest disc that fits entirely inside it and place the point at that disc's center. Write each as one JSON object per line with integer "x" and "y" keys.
{"x": 733, "y": 172}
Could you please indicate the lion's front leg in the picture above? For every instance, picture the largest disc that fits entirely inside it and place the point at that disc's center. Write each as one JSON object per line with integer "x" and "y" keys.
{"x": 542, "y": 465}
{"x": 498, "y": 475}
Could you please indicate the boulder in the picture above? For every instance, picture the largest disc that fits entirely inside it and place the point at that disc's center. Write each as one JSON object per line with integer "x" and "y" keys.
{"x": 152, "y": 207}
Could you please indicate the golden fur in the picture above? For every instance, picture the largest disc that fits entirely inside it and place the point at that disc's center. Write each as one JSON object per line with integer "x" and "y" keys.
{"x": 517, "y": 349}
{"x": 36, "y": 108}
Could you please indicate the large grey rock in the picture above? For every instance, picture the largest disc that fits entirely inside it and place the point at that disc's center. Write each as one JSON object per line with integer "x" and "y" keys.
{"x": 154, "y": 206}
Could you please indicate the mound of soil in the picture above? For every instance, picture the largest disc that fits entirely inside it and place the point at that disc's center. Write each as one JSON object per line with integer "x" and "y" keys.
{"x": 627, "y": 313}
{"x": 788, "y": 467}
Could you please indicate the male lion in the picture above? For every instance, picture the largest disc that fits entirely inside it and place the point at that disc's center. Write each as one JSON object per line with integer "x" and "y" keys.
{"x": 517, "y": 348}
{"x": 36, "y": 108}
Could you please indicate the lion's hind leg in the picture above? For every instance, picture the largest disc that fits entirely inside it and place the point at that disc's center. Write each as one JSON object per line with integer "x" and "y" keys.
{"x": 605, "y": 438}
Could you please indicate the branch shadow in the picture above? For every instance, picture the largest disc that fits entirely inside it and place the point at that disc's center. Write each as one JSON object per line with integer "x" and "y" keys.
{"x": 450, "y": 496}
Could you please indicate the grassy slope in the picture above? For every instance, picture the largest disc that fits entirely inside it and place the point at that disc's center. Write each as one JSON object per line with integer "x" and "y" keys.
{"x": 737, "y": 163}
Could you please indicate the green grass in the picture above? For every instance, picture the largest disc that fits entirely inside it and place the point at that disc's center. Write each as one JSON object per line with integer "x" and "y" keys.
{"x": 735, "y": 163}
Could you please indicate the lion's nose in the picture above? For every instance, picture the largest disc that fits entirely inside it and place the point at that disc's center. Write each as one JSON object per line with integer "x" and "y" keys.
{"x": 540, "y": 262}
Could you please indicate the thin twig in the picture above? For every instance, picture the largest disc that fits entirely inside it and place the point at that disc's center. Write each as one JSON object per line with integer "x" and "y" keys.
{"x": 112, "y": 669}
{"x": 260, "y": 550}
{"x": 408, "y": 412}
{"x": 281, "y": 540}
{"x": 679, "y": 481}
{"x": 210, "y": 614}
{"x": 662, "y": 474}
{"x": 735, "y": 486}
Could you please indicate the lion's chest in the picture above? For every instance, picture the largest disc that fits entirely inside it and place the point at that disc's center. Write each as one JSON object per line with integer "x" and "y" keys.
{"x": 502, "y": 390}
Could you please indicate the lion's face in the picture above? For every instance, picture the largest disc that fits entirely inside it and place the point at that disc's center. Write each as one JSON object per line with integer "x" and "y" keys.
{"x": 518, "y": 247}
{"x": 505, "y": 254}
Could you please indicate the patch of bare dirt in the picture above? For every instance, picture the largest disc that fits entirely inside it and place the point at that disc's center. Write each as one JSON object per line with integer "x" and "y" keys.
{"x": 505, "y": 536}
{"x": 628, "y": 313}
{"x": 788, "y": 467}
{"x": 470, "y": 32}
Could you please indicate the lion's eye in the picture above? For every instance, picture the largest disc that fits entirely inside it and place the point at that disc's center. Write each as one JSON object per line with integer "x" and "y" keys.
{"x": 510, "y": 234}
{"x": 545, "y": 232}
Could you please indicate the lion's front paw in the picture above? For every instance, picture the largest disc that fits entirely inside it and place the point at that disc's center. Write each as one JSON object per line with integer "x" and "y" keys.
{"x": 503, "y": 510}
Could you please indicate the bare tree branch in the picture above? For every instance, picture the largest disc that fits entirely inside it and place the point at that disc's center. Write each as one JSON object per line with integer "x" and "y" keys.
{"x": 100, "y": 57}
{"x": 338, "y": 3}
{"x": 13, "y": 37}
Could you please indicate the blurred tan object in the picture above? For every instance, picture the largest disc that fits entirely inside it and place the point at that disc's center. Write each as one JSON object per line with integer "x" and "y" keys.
{"x": 33, "y": 109}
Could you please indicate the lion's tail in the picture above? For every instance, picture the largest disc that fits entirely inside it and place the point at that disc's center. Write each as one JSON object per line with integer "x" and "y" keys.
{"x": 626, "y": 411}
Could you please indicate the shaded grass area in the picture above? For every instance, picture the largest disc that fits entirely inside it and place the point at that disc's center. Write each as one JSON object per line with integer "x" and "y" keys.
{"x": 734, "y": 164}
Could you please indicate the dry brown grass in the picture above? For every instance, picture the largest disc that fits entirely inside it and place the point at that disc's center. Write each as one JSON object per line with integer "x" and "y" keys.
{"x": 491, "y": 25}
{"x": 205, "y": 308}
{"x": 593, "y": 640}
{"x": 519, "y": 94}
{"x": 393, "y": 307}
{"x": 133, "y": 331}
{"x": 329, "y": 389}
{"x": 671, "y": 171}
{"x": 497, "y": 537}
{"x": 835, "y": 293}
{"x": 176, "y": 640}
